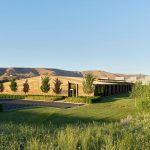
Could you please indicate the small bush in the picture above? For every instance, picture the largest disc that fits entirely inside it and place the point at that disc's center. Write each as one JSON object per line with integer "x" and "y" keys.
{"x": 88, "y": 100}
{"x": 94, "y": 99}
{"x": 145, "y": 104}
{"x": 1, "y": 108}
{"x": 76, "y": 99}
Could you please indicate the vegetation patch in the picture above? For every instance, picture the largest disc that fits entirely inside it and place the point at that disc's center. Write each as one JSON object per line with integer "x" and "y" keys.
{"x": 141, "y": 95}
{"x": 44, "y": 97}
{"x": 81, "y": 99}
{"x": 32, "y": 97}
{"x": 129, "y": 133}
{"x": 7, "y": 96}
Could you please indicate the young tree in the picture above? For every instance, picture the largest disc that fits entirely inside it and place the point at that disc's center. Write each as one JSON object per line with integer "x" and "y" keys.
{"x": 137, "y": 91}
{"x": 26, "y": 87}
{"x": 1, "y": 87}
{"x": 57, "y": 86}
{"x": 13, "y": 85}
{"x": 145, "y": 98}
{"x": 45, "y": 87}
{"x": 88, "y": 80}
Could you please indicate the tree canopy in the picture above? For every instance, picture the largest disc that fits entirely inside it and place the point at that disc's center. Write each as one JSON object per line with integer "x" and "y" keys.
{"x": 26, "y": 87}
{"x": 13, "y": 85}
{"x": 57, "y": 86}
{"x": 45, "y": 87}
{"x": 88, "y": 81}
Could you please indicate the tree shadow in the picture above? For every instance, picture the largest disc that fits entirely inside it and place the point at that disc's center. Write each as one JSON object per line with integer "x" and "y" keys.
{"x": 115, "y": 98}
{"x": 55, "y": 118}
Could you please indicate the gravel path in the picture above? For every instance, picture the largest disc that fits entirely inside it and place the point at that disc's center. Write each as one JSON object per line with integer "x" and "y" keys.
{"x": 16, "y": 104}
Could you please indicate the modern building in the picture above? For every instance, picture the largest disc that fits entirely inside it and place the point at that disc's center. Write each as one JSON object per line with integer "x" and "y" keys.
{"x": 102, "y": 87}
{"x": 72, "y": 86}
{"x": 145, "y": 80}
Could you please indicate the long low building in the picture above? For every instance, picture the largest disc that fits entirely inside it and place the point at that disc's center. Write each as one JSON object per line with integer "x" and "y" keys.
{"x": 72, "y": 86}
{"x": 101, "y": 88}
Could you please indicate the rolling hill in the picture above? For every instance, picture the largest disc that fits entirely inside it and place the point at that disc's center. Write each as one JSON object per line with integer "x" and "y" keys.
{"x": 21, "y": 73}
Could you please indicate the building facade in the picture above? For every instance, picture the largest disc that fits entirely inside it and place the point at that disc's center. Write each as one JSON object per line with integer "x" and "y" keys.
{"x": 72, "y": 86}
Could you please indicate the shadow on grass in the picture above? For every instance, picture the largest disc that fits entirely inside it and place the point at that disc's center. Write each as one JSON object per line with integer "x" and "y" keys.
{"x": 55, "y": 116}
{"x": 115, "y": 98}
{"x": 45, "y": 119}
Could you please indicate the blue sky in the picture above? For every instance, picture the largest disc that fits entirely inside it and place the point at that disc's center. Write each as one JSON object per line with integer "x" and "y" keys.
{"x": 109, "y": 35}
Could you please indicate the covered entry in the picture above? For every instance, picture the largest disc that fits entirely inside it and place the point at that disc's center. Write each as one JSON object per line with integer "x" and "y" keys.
{"x": 72, "y": 89}
{"x": 108, "y": 89}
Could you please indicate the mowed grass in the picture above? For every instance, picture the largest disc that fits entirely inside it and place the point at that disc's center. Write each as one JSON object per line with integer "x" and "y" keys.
{"x": 74, "y": 129}
{"x": 109, "y": 110}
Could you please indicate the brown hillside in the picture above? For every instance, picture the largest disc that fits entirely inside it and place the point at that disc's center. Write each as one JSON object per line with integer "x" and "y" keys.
{"x": 21, "y": 73}
{"x": 102, "y": 74}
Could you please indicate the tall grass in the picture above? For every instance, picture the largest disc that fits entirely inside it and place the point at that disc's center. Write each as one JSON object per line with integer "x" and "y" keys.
{"x": 128, "y": 134}
{"x": 141, "y": 95}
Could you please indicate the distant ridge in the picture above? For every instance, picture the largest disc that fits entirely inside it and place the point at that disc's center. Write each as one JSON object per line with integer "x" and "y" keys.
{"x": 20, "y": 73}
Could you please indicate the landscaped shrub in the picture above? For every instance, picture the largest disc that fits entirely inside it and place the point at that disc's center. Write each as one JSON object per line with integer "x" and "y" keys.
{"x": 1, "y": 108}
{"x": 76, "y": 99}
{"x": 26, "y": 87}
{"x": 13, "y": 85}
{"x": 45, "y": 87}
{"x": 42, "y": 97}
{"x": 12, "y": 96}
{"x": 94, "y": 99}
{"x": 32, "y": 97}
{"x": 80, "y": 99}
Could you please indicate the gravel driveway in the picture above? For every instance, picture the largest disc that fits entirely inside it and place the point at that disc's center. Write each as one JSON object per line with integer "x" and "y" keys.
{"x": 16, "y": 104}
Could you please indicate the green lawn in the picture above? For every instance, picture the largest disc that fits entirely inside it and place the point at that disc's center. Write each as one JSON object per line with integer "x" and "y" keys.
{"x": 61, "y": 129}
{"x": 110, "y": 109}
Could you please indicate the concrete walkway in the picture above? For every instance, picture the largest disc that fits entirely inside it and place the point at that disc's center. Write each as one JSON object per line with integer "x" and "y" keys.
{"x": 11, "y": 104}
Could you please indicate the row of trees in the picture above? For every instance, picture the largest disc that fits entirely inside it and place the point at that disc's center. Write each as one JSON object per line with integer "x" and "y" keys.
{"x": 88, "y": 86}
{"x": 45, "y": 86}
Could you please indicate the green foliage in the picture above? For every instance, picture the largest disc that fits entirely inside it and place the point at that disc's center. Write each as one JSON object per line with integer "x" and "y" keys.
{"x": 80, "y": 99}
{"x": 109, "y": 109}
{"x": 1, "y": 108}
{"x": 88, "y": 80}
{"x": 57, "y": 86}
{"x": 41, "y": 97}
{"x": 144, "y": 101}
{"x": 6, "y": 96}
{"x": 1, "y": 87}
{"x": 128, "y": 134}
{"x": 26, "y": 87}
{"x": 13, "y": 85}
{"x": 45, "y": 87}
{"x": 32, "y": 97}
{"x": 141, "y": 94}
{"x": 137, "y": 90}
